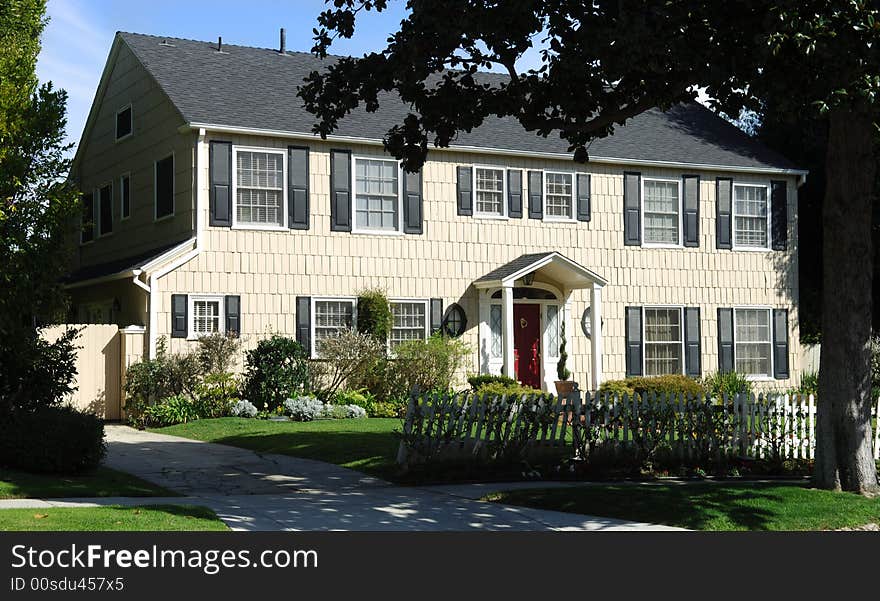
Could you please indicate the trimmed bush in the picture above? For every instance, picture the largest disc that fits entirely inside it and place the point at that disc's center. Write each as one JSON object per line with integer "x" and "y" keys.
{"x": 58, "y": 440}
{"x": 670, "y": 384}
{"x": 481, "y": 380}
{"x": 374, "y": 314}
{"x": 275, "y": 370}
{"x": 516, "y": 389}
{"x": 303, "y": 408}
{"x": 243, "y": 409}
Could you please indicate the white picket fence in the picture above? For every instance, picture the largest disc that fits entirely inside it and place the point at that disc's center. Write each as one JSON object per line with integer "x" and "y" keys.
{"x": 749, "y": 426}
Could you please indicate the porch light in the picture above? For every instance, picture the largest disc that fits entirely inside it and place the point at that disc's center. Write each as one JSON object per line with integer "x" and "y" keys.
{"x": 529, "y": 278}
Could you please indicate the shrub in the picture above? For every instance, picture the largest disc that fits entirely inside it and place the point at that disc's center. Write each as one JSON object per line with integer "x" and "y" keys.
{"x": 177, "y": 409}
{"x": 809, "y": 383}
{"x": 216, "y": 395}
{"x": 374, "y": 314}
{"x": 354, "y": 412}
{"x": 303, "y": 408}
{"x": 35, "y": 373}
{"x": 217, "y": 352}
{"x": 510, "y": 390}
{"x": 395, "y": 408}
{"x": 729, "y": 383}
{"x": 275, "y": 370}
{"x": 562, "y": 371}
{"x": 243, "y": 409}
{"x": 669, "y": 384}
{"x": 361, "y": 398}
{"x": 425, "y": 365}
{"x": 347, "y": 356}
{"x": 53, "y": 439}
{"x": 151, "y": 380}
{"x": 480, "y": 380}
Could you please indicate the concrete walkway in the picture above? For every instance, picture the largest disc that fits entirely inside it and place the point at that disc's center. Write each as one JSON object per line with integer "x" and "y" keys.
{"x": 250, "y": 491}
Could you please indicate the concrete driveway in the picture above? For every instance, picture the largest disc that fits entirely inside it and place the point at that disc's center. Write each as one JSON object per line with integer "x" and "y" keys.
{"x": 251, "y": 491}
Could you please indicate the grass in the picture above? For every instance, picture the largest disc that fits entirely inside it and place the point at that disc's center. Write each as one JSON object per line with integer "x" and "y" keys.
{"x": 102, "y": 482}
{"x": 367, "y": 445}
{"x": 113, "y": 517}
{"x": 708, "y": 506}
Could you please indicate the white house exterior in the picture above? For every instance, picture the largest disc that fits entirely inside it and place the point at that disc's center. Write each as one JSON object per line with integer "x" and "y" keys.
{"x": 673, "y": 250}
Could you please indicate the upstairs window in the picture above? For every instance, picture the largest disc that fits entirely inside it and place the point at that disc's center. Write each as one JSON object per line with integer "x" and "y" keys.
{"x": 123, "y": 123}
{"x": 662, "y": 217}
{"x": 125, "y": 197}
{"x": 105, "y": 208}
{"x": 164, "y": 187}
{"x": 751, "y": 216}
{"x": 559, "y": 196}
{"x": 88, "y": 218}
{"x": 663, "y": 341}
{"x": 489, "y": 191}
{"x": 259, "y": 194}
{"x": 410, "y": 322}
{"x": 377, "y": 195}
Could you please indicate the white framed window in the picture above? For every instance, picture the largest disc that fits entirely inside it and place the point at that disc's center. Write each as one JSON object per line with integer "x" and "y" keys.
{"x": 753, "y": 346}
{"x": 751, "y": 216}
{"x": 329, "y": 317}
{"x": 205, "y": 315}
{"x": 553, "y": 330}
{"x": 490, "y": 187}
{"x": 124, "y": 124}
{"x": 377, "y": 195}
{"x": 661, "y": 212}
{"x": 410, "y": 321}
{"x": 558, "y": 196}
{"x": 496, "y": 344}
{"x": 259, "y": 190}
{"x": 124, "y": 196}
{"x": 663, "y": 341}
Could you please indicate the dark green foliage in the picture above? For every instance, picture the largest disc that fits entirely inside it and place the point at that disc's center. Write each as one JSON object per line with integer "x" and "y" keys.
{"x": 809, "y": 383}
{"x": 670, "y": 384}
{"x": 168, "y": 375}
{"x": 217, "y": 352}
{"x": 57, "y": 440}
{"x": 374, "y": 314}
{"x": 483, "y": 379}
{"x": 275, "y": 370}
{"x": 562, "y": 371}
{"x": 35, "y": 373}
{"x": 729, "y": 383}
{"x": 173, "y": 410}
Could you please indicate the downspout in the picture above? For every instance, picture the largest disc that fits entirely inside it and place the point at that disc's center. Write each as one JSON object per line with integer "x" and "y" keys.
{"x": 153, "y": 287}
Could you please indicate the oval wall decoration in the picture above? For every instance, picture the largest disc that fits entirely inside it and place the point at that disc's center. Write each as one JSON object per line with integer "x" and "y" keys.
{"x": 455, "y": 321}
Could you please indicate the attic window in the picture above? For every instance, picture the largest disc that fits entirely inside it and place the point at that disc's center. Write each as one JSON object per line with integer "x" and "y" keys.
{"x": 123, "y": 123}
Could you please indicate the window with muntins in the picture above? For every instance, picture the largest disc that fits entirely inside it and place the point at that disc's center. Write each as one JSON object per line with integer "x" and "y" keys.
{"x": 753, "y": 347}
{"x": 377, "y": 197}
{"x": 489, "y": 191}
{"x": 559, "y": 196}
{"x": 410, "y": 322}
{"x": 662, "y": 205}
{"x": 332, "y": 317}
{"x": 206, "y": 316}
{"x": 750, "y": 216}
{"x": 663, "y": 341}
{"x": 259, "y": 194}
{"x": 495, "y": 330}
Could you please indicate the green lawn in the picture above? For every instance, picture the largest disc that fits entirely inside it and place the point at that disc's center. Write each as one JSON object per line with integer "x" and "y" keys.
{"x": 708, "y": 506}
{"x": 367, "y": 445}
{"x": 103, "y": 482}
{"x": 113, "y": 517}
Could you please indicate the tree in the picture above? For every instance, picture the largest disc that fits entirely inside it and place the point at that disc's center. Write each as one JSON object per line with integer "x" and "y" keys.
{"x": 37, "y": 207}
{"x": 605, "y": 61}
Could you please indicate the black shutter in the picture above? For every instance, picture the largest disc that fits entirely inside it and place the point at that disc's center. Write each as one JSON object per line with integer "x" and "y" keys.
{"x": 632, "y": 208}
{"x": 436, "y": 314}
{"x": 340, "y": 190}
{"x": 465, "y": 191}
{"x": 633, "y": 341}
{"x": 412, "y": 203}
{"x": 779, "y": 215}
{"x": 304, "y": 322}
{"x": 723, "y": 212}
{"x": 691, "y": 210}
{"x": 233, "y": 315}
{"x": 780, "y": 344}
{"x": 179, "y": 307}
{"x": 88, "y": 217}
{"x": 514, "y": 193}
{"x": 536, "y": 195}
{"x": 583, "y": 196}
{"x": 298, "y": 187}
{"x": 725, "y": 340}
{"x": 692, "y": 341}
{"x": 220, "y": 177}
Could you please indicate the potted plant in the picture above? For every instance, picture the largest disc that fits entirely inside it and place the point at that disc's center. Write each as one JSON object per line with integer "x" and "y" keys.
{"x": 564, "y": 386}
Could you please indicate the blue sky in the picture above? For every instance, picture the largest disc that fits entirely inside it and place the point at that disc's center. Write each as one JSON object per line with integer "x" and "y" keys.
{"x": 77, "y": 40}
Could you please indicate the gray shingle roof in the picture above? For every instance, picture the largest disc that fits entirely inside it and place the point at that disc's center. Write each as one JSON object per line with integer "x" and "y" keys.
{"x": 517, "y": 264}
{"x": 256, "y": 88}
{"x": 90, "y": 272}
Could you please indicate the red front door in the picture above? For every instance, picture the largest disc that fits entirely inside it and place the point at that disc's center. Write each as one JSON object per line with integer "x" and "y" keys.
{"x": 527, "y": 344}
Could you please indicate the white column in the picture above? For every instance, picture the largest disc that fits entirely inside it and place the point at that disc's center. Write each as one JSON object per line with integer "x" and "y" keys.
{"x": 507, "y": 330}
{"x": 596, "y": 334}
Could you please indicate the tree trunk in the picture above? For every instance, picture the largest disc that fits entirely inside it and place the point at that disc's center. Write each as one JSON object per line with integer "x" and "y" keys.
{"x": 844, "y": 458}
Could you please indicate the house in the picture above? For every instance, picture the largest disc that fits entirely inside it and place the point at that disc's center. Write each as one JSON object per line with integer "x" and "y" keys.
{"x": 210, "y": 207}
